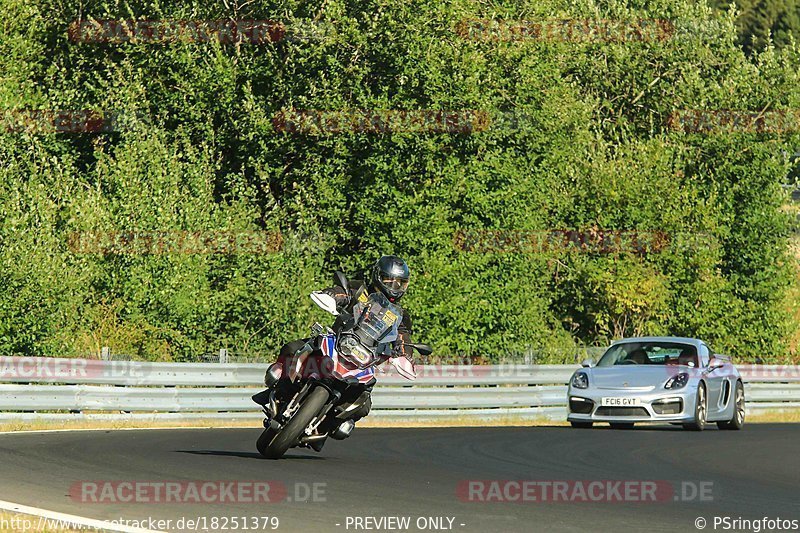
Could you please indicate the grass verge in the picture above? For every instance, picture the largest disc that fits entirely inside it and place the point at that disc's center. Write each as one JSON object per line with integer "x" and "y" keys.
{"x": 15, "y": 522}
{"x": 788, "y": 416}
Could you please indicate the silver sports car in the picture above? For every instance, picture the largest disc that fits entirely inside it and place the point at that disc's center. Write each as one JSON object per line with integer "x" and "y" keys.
{"x": 657, "y": 379}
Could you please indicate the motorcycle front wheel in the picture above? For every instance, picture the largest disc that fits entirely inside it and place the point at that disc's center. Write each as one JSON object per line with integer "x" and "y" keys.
{"x": 272, "y": 443}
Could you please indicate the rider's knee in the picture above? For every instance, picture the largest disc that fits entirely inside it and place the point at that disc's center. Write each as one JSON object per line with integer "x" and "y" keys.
{"x": 290, "y": 348}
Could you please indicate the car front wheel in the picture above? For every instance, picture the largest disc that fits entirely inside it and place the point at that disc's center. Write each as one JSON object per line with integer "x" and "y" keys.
{"x": 700, "y": 410}
{"x": 737, "y": 421}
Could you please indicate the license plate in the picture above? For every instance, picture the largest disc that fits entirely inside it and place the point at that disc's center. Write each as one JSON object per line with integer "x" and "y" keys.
{"x": 620, "y": 402}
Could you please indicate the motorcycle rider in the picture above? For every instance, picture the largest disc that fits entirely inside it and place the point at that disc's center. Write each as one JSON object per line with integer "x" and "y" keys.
{"x": 389, "y": 275}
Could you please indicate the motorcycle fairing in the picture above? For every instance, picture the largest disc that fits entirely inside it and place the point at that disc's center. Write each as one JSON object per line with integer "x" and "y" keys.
{"x": 328, "y": 348}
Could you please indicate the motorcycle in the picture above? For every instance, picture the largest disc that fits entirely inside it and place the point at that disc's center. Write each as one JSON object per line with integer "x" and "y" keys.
{"x": 329, "y": 376}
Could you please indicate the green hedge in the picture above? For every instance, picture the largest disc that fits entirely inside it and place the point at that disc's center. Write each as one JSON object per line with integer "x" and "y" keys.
{"x": 584, "y": 144}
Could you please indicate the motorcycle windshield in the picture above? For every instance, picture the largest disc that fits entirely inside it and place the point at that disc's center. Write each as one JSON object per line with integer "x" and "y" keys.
{"x": 377, "y": 318}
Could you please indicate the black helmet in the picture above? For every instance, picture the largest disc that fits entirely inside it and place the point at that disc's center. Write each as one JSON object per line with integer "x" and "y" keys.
{"x": 390, "y": 276}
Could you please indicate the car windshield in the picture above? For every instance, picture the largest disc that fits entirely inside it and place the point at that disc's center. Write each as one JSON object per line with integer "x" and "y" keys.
{"x": 650, "y": 353}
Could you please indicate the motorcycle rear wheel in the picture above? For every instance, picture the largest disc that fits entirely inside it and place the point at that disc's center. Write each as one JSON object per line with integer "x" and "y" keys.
{"x": 272, "y": 443}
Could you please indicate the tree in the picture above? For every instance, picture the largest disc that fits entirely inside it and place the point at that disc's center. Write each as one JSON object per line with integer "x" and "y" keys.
{"x": 760, "y": 21}
{"x": 549, "y": 134}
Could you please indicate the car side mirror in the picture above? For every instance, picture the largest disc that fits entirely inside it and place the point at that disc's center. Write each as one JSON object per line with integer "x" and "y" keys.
{"x": 587, "y": 363}
{"x": 715, "y": 364}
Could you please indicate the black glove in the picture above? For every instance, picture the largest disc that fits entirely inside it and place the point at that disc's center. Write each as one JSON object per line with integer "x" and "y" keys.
{"x": 338, "y": 294}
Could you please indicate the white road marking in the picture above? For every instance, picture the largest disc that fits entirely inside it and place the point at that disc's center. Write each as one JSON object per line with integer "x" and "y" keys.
{"x": 68, "y": 519}
{"x": 66, "y": 430}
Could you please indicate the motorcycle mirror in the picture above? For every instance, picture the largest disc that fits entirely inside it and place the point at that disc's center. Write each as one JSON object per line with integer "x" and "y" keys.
{"x": 423, "y": 349}
{"x": 341, "y": 280}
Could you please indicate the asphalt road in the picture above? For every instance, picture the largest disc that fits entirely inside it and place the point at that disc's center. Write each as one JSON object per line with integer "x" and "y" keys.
{"x": 422, "y": 474}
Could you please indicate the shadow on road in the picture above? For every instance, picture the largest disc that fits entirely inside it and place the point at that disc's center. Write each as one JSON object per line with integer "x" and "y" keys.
{"x": 247, "y": 455}
{"x": 639, "y": 427}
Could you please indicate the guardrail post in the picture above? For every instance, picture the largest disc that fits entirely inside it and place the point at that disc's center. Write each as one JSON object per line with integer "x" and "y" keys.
{"x": 105, "y": 353}
{"x": 223, "y": 355}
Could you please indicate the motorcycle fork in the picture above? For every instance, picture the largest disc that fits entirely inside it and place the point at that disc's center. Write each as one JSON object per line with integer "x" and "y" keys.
{"x": 312, "y": 427}
{"x": 335, "y": 397}
{"x": 294, "y": 403}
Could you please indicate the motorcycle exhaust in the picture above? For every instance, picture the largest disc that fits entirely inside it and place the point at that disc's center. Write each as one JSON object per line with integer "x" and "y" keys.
{"x": 344, "y": 430}
{"x": 308, "y": 439}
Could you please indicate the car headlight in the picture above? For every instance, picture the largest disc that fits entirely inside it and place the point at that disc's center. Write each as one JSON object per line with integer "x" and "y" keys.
{"x": 580, "y": 380}
{"x": 677, "y": 381}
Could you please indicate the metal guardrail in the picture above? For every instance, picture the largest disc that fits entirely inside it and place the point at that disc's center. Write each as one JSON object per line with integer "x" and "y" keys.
{"x": 48, "y": 388}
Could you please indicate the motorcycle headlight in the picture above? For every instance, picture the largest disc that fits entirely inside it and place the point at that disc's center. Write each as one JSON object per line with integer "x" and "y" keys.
{"x": 350, "y": 348}
{"x": 677, "y": 381}
{"x": 361, "y": 354}
{"x": 580, "y": 380}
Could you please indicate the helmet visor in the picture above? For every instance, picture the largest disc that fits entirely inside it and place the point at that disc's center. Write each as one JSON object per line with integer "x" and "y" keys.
{"x": 395, "y": 284}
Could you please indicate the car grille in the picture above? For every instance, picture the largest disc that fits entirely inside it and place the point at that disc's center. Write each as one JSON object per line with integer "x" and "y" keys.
{"x": 581, "y": 406}
{"x": 621, "y": 411}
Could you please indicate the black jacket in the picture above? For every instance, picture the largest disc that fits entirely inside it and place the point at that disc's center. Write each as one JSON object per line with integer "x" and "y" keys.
{"x": 348, "y": 299}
